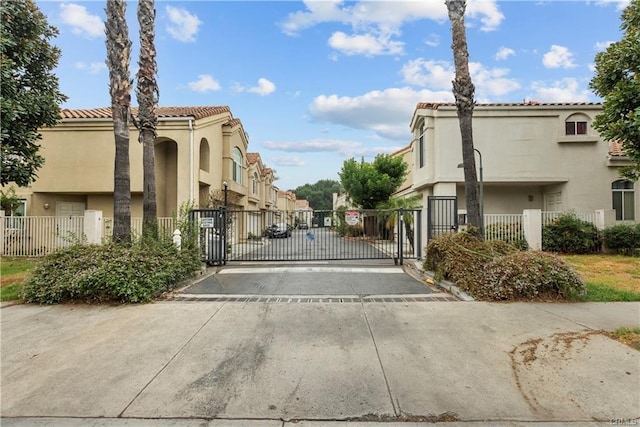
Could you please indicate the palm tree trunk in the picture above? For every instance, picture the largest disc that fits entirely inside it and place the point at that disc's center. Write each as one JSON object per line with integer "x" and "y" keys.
{"x": 147, "y": 95}
{"x": 463, "y": 91}
{"x": 118, "y": 59}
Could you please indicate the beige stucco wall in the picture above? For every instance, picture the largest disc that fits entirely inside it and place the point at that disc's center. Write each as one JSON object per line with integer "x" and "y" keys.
{"x": 525, "y": 146}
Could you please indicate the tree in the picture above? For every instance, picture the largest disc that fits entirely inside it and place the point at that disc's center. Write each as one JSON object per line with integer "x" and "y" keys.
{"x": 409, "y": 205}
{"x": 368, "y": 184}
{"x": 30, "y": 98}
{"x": 320, "y": 194}
{"x": 616, "y": 80}
{"x": 463, "y": 91}
{"x": 118, "y": 59}
{"x": 147, "y": 95}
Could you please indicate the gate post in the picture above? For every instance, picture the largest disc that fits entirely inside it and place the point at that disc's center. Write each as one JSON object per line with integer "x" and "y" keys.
{"x": 400, "y": 237}
{"x": 532, "y": 227}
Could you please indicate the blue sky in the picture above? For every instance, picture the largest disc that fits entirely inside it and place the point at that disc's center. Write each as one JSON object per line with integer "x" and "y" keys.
{"x": 316, "y": 83}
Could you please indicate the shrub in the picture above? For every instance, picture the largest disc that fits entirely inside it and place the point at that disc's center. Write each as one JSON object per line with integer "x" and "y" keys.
{"x": 511, "y": 233}
{"x": 623, "y": 238}
{"x": 110, "y": 272}
{"x": 528, "y": 275}
{"x": 570, "y": 235}
{"x": 497, "y": 271}
{"x": 459, "y": 256}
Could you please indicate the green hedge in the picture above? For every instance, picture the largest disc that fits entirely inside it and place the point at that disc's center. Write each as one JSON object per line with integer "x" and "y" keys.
{"x": 110, "y": 273}
{"x": 568, "y": 234}
{"x": 622, "y": 238}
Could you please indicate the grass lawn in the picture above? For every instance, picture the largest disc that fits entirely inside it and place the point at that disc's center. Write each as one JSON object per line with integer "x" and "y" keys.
{"x": 608, "y": 277}
{"x": 13, "y": 271}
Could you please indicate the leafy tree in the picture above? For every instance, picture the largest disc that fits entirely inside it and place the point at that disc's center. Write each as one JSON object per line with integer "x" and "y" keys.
{"x": 320, "y": 194}
{"x": 410, "y": 204}
{"x": 617, "y": 81}
{"x": 29, "y": 98}
{"x": 147, "y": 95}
{"x": 369, "y": 184}
{"x": 463, "y": 91}
{"x": 118, "y": 59}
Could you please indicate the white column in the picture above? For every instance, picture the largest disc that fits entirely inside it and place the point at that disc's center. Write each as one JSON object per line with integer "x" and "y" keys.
{"x": 532, "y": 226}
{"x": 93, "y": 226}
{"x": 2, "y": 227}
{"x": 605, "y": 218}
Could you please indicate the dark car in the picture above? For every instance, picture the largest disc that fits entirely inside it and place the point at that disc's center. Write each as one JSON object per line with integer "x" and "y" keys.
{"x": 280, "y": 229}
{"x": 303, "y": 226}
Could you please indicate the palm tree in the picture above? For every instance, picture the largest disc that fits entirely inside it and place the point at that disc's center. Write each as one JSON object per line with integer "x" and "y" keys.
{"x": 118, "y": 59}
{"x": 147, "y": 96}
{"x": 408, "y": 205}
{"x": 463, "y": 91}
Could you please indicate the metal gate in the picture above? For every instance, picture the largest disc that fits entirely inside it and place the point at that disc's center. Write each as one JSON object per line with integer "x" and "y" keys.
{"x": 233, "y": 235}
{"x": 442, "y": 215}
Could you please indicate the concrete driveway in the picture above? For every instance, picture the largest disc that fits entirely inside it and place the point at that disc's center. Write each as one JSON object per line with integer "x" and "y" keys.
{"x": 252, "y": 363}
{"x": 319, "y": 279}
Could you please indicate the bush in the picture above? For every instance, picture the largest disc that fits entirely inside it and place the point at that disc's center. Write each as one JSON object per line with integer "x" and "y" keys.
{"x": 623, "y": 238}
{"x": 458, "y": 257}
{"x": 511, "y": 233}
{"x": 570, "y": 235}
{"x": 110, "y": 272}
{"x": 528, "y": 275}
{"x": 497, "y": 271}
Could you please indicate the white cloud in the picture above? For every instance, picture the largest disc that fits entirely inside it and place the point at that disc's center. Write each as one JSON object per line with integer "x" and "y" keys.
{"x": 93, "y": 67}
{"x": 504, "y": 53}
{"x": 365, "y": 44}
{"x": 374, "y": 24}
{"x": 602, "y": 45}
{"x": 288, "y": 161}
{"x": 387, "y": 113}
{"x": 433, "y": 40}
{"x": 264, "y": 87}
{"x": 565, "y": 90}
{"x": 81, "y": 21}
{"x": 205, "y": 83}
{"x": 439, "y": 75}
{"x": 620, "y": 4}
{"x": 183, "y": 26}
{"x": 344, "y": 148}
{"x": 558, "y": 57}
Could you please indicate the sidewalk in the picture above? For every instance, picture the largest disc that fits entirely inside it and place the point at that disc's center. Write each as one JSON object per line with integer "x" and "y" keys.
{"x": 272, "y": 364}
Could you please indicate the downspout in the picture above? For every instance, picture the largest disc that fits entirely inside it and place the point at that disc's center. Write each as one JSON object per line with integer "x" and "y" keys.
{"x": 191, "y": 172}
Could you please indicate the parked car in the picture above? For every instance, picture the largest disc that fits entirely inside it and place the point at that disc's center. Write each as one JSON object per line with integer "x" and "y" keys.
{"x": 280, "y": 229}
{"x": 303, "y": 226}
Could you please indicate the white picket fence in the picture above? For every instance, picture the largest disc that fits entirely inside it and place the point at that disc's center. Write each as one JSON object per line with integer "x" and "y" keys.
{"x": 505, "y": 227}
{"x": 41, "y": 235}
{"x": 550, "y": 216}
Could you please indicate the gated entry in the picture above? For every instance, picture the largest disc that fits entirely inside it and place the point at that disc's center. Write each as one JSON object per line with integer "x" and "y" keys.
{"x": 442, "y": 215}
{"x": 228, "y": 236}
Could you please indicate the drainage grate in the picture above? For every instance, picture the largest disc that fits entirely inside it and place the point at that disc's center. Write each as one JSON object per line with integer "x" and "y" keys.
{"x": 315, "y": 299}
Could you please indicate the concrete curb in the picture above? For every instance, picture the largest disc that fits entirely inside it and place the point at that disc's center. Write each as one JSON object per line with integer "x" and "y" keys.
{"x": 452, "y": 288}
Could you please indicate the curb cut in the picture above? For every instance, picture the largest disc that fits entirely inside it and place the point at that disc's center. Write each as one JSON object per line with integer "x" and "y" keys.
{"x": 448, "y": 286}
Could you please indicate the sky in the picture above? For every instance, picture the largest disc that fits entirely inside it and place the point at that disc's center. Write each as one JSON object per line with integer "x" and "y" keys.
{"x": 318, "y": 82}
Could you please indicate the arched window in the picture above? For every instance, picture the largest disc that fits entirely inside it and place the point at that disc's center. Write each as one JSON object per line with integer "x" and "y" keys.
{"x": 254, "y": 187}
{"x": 237, "y": 165}
{"x": 204, "y": 155}
{"x": 576, "y": 124}
{"x": 623, "y": 200}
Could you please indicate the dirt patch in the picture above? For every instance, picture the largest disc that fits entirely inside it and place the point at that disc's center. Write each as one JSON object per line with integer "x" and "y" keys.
{"x": 407, "y": 418}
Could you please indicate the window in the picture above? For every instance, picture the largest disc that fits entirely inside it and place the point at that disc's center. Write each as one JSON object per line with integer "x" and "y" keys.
{"x": 421, "y": 151}
{"x": 237, "y": 165}
{"x": 623, "y": 200}
{"x": 254, "y": 187}
{"x": 575, "y": 128}
{"x": 14, "y": 218}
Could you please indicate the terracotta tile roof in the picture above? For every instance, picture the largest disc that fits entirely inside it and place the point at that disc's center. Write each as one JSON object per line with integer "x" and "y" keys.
{"x": 233, "y": 122}
{"x": 302, "y": 203}
{"x": 402, "y": 150}
{"x": 615, "y": 148}
{"x": 436, "y": 105}
{"x": 105, "y": 113}
{"x": 253, "y": 158}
